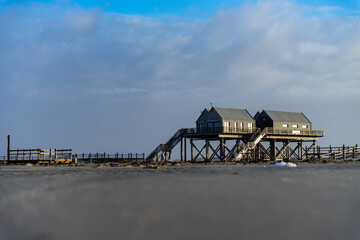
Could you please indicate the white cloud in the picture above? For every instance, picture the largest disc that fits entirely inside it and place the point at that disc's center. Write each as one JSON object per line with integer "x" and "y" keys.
{"x": 317, "y": 49}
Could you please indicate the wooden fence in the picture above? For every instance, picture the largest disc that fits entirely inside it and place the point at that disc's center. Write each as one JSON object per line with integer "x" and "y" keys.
{"x": 106, "y": 157}
{"x": 334, "y": 153}
{"x": 39, "y": 155}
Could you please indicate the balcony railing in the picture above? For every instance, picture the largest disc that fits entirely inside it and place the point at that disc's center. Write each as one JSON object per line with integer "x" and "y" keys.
{"x": 269, "y": 130}
{"x": 280, "y": 131}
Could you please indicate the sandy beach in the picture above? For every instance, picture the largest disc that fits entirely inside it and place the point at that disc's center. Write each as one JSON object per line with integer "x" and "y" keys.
{"x": 255, "y": 201}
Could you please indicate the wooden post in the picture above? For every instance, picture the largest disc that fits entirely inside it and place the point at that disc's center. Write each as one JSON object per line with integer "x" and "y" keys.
{"x": 136, "y": 157}
{"x": 207, "y": 150}
{"x": 181, "y": 150}
{"x": 90, "y": 159}
{"x": 330, "y": 152}
{"x": 344, "y": 154}
{"x": 8, "y": 150}
{"x": 314, "y": 148}
{"x": 272, "y": 150}
{"x": 222, "y": 149}
{"x": 319, "y": 152}
{"x": 192, "y": 149}
{"x": 185, "y": 153}
{"x": 355, "y": 150}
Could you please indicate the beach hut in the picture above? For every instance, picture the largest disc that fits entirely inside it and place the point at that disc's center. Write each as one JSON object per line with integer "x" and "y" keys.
{"x": 223, "y": 120}
{"x": 292, "y": 121}
{"x": 200, "y": 122}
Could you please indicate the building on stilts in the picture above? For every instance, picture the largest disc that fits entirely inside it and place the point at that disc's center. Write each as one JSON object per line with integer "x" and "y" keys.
{"x": 228, "y": 134}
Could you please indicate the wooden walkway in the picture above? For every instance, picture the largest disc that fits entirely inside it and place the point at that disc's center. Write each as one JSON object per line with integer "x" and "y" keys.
{"x": 106, "y": 157}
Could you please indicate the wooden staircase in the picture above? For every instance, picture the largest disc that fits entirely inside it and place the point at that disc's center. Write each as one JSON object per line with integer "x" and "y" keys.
{"x": 167, "y": 147}
{"x": 251, "y": 144}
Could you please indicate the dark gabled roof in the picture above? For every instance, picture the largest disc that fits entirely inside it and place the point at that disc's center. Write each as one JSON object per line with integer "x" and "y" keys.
{"x": 203, "y": 115}
{"x": 232, "y": 113}
{"x": 280, "y": 116}
{"x": 257, "y": 115}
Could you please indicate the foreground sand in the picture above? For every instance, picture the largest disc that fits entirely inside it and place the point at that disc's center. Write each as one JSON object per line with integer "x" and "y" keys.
{"x": 312, "y": 201}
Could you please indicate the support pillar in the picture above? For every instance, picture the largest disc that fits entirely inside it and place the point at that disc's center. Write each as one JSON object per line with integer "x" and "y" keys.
{"x": 300, "y": 150}
{"x": 185, "y": 153}
{"x": 287, "y": 150}
{"x": 192, "y": 149}
{"x": 272, "y": 150}
{"x": 181, "y": 150}
{"x": 207, "y": 150}
{"x": 222, "y": 149}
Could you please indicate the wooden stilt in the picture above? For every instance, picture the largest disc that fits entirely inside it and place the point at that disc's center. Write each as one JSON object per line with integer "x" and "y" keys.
{"x": 192, "y": 149}
{"x": 185, "y": 153}
{"x": 181, "y": 150}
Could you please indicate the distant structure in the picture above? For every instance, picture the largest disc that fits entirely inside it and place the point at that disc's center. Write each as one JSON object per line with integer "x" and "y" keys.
{"x": 225, "y": 120}
{"x": 252, "y": 139}
{"x": 294, "y": 121}
{"x": 38, "y": 155}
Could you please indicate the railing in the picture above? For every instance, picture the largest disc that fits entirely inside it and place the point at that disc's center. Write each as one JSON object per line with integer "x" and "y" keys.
{"x": 107, "y": 157}
{"x": 234, "y": 130}
{"x": 280, "y": 131}
{"x": 334, "y": 153}
{"x": 30, "y": 155}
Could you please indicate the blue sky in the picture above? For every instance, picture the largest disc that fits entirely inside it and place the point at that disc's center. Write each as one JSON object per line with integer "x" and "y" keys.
{"x": 123, "y": 76}
{"x": 199, "y": 8}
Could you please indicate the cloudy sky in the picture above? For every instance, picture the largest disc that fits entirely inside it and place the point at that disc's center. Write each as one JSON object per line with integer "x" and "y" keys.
{"x": 123, "y": 76}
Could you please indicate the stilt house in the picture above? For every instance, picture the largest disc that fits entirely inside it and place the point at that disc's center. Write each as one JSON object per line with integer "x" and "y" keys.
{"x": 200, "y": 122}
{"x": 294, "y": 122}
{"x": 223, "y": 120}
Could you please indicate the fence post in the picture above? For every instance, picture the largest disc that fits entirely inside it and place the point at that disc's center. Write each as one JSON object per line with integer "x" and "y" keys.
{"x": 344, "y": 154}
{"x": 356, "y": 150}
{"x": 353, "y": 152}
{"x": 143, "y": 157}
{"x": 90, "y": 160}
{"x": 319, "y": 152}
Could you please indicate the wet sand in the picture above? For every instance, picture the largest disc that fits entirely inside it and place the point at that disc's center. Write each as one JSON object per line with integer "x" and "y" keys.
{"x": 312, "y": 201}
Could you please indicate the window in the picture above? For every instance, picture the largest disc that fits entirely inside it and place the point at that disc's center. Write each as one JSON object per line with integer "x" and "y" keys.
{"x": 210, "y": 125}
{"x": 295, "y": 126}
{"x": 250, "y": 125}
{"x": 241, "y": 125}
{"x": 201, "y": 127}
{"x": 285, "y": 125}
{"x": 216, "y": 124}
{"x": 304, "y": 126}
{"x": 236, "y": 126}
{"x": 226, "y": 126}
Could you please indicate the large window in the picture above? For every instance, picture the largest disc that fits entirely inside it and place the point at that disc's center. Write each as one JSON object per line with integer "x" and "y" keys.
{"x": 250, "y": 125}
{"x": 226, "y": 126}
{"x": 285, "y": 125}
